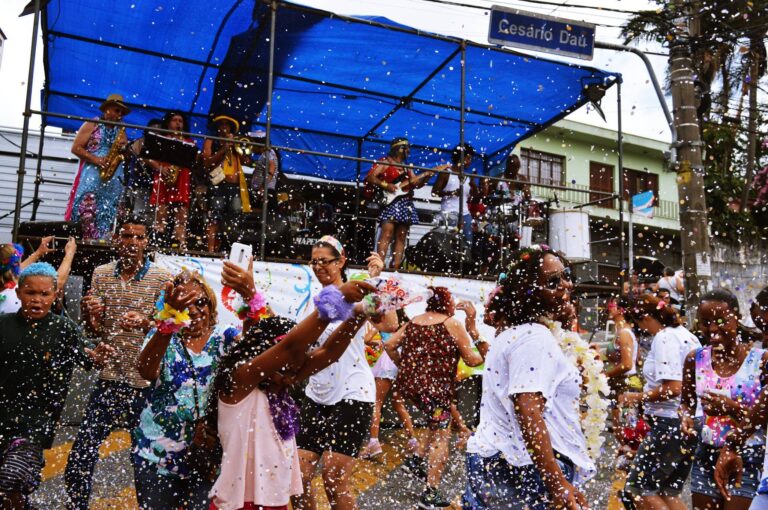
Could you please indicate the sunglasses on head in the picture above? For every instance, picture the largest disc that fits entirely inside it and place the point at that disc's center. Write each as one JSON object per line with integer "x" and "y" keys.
{"x": 553, "y": 282}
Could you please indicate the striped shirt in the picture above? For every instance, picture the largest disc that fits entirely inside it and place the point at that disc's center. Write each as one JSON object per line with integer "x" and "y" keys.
{"x": 120, "y": 297}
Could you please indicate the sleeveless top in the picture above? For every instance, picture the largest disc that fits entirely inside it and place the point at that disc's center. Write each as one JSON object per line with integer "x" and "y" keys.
{"x": 451, "y": 204}
{"x": 744, "y": 386}
{"x": 257, "y": 465}
{"x": 633, "y": 370}
{"x": 429, "y": 357}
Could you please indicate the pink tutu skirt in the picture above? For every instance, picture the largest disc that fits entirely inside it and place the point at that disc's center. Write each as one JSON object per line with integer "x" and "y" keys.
{"x": 384, "y": 368}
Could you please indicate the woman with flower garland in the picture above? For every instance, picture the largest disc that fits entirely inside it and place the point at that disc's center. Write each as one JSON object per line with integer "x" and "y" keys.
{"x": 664, "y": 459}
{"x": 256, "y": 419}
{"x": 336, "y": 413}
{"x": 528, "y": 450}
{"x": 427, "y": 352}
{"x": 726, "y": 377}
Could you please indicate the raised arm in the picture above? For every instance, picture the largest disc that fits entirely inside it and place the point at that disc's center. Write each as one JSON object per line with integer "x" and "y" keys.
{"x": 393, "y": 344}
{"x": 66, "y": 265}
{"x": 463, "y": 342}
{"x": 529, "y": 408}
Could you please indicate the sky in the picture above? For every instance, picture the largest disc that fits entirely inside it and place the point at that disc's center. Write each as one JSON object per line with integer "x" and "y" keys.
{"x": 642, "y": 114}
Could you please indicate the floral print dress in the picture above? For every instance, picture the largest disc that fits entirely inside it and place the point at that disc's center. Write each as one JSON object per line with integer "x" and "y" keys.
{"x": 167, "y": 422}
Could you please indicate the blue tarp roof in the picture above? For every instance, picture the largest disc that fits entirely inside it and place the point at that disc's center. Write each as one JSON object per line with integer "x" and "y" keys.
{"x": 342, "y": 85}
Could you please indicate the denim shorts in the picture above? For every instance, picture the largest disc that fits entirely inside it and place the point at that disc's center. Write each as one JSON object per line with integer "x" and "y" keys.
{"x": 223, "y": 201}
{"x": 663, "y": 461}
{"x": 494, "y": 484}
{"x": 703, "y": 473}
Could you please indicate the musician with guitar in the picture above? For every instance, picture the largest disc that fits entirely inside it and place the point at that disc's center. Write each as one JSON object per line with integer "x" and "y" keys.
{"x": 98, "y": 181}
{"x": 398, "y": 183}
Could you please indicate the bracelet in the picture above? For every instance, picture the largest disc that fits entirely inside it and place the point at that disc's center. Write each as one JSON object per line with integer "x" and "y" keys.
{"x": 168, "y": 319}
{"x": 255, "y": 309}
{"x": 383, "y": 185}
{"x": 331, "y": 305}
{"x": 480, "y": 340}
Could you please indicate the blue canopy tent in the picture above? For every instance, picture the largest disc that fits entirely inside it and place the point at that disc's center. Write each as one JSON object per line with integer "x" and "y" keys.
{"x": 342, "y": 86}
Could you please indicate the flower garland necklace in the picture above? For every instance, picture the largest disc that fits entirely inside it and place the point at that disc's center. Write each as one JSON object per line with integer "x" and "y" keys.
{"x": 578, "y": 352}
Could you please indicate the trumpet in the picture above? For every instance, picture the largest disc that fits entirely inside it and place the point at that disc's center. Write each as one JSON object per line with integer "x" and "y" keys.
{"x": 243, "y": 149}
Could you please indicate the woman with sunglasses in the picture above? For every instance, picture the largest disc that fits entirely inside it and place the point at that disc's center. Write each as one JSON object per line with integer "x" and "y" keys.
{"x": 663, "y": 461}
{"x": 528, "y": 450}
{"x": 340, "y": 397}
{"x": 182, "y": 365}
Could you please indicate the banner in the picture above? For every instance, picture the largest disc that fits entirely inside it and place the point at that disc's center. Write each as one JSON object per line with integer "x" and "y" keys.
{"x": 289, "y": 288}
{"x": 642, "y": 204}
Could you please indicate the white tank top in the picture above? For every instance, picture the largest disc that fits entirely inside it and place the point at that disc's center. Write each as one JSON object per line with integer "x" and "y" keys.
{"x": 633, "y": 370}
{"x": 451, "y": 204}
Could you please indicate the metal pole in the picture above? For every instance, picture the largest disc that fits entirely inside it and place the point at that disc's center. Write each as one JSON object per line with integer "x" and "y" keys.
{"x": 620, "y": 142}
{"x": 38, "y": 172}
{"x": 356, "y": 224}
{"x": 462, "y": 154}
{"x": 25, "y": 132}
{"x": 270, "y": 84}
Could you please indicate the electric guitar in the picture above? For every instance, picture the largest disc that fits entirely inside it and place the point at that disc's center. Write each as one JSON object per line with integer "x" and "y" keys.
{"x": 407, "y": 187}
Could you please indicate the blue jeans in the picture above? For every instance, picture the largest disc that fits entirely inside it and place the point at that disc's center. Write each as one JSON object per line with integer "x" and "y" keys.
{"x": 112, "y": 405}
{"x": 494, "y": 484}
{"x": 155, "y": 491}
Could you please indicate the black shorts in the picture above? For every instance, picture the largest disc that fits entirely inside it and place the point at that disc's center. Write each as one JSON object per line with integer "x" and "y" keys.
{"x": 223, "y": 201}
{"x": 339, "y": 428}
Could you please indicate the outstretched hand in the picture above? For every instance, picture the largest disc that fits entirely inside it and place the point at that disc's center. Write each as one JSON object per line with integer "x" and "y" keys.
{"x": 468, "y": 308}
{"x": 100, "y": 354}
{"x": 238, "y": 279}
{"x": 375, "y": 264}
{"x": 355, "y": 291}
{"x": 177, "y": 297}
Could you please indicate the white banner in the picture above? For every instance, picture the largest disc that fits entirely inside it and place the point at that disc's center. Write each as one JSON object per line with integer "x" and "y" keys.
{"x": 289, "y": 288}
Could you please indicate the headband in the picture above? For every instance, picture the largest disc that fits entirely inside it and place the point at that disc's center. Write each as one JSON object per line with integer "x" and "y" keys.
{"x": 399, "y": 143}
{"x": 333, "y": 242}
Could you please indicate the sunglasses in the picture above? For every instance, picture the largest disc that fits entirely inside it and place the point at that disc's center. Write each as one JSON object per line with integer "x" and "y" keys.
{"x": 321, "y": 262}
{"x": 554, "y": 282}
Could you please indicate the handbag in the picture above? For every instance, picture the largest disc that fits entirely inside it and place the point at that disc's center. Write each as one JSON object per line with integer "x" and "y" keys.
{"x": 216, "y": 175}
{"x": 204, "y": 453}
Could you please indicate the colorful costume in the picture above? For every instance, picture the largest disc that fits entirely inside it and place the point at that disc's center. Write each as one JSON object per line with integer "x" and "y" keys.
{"x": 88, "y": 182}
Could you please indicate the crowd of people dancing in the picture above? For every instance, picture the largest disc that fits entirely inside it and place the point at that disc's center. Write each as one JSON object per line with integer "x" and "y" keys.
{"x": 244, "y": 415}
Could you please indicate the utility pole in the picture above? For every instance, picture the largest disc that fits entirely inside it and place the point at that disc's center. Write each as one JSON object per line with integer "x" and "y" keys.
{"x": 694, "y": 231}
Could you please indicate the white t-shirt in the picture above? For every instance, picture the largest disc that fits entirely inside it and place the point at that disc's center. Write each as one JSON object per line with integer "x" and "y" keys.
{"x": 527, "y": 359}
{"x": 349, "y": 378}
{"x": 451, "y": 204}
{"x": 664, "y": 362}
{"x": 9, "y": 301}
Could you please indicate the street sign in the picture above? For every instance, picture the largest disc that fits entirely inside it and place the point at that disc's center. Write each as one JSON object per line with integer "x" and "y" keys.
{"x": 642, "y": 204}
{"x": 539, "y": 32}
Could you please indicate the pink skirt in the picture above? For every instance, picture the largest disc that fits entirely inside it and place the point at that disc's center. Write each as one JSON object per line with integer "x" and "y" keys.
{"x": 384, "y": 368}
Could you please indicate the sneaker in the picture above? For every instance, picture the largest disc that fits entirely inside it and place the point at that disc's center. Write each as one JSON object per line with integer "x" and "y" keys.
{"x": 433, "y": 499}
{"x": 373, "y": 449}
{"x": 416, "y": 466}
{"x": 413, "y": 445}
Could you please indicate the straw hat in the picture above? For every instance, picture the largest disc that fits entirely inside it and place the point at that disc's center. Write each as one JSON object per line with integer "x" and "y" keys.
{"x": 115, "y": 100}
{"x": 226, "y": 118}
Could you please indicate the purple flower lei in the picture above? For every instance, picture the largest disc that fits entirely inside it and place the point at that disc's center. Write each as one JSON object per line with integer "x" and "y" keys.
{"x": 285, "y": 414}
{"x": 331, "y": 305}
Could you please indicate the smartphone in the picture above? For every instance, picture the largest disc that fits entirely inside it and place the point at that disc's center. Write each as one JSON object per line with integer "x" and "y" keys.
{"x": 241, "y": 254}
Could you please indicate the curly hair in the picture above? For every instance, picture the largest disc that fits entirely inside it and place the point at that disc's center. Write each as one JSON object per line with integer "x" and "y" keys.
{"x": 516, "y": 298}
{"x": 648, "y": 305}
{"x": 441, "y": 300}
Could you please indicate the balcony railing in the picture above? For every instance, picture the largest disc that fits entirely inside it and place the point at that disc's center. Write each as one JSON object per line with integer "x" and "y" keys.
{"x": 664, "y": 209}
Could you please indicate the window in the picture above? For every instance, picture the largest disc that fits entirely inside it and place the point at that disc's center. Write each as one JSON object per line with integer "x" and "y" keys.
{"x": 601, "y": 179}
{"x": 636, "y": 182}
{"x": 541, "y": 167}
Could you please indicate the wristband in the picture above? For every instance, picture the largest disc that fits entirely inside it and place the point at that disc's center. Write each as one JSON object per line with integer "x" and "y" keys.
{"x": 331, "y": 305}
{"x": 255, "y": 309}
{"x": 168, "y": 319}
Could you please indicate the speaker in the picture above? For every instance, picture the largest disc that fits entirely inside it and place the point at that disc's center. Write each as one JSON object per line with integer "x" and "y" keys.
{"x": 440, "y": 250}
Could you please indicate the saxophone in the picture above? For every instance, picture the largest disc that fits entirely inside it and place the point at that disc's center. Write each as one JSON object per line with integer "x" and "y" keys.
{"x": 170, "y": 175}
{"x": 113, "y": 158}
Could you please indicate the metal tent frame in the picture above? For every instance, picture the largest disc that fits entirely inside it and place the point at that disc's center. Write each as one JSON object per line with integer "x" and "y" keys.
{"x": 274, "y": 6}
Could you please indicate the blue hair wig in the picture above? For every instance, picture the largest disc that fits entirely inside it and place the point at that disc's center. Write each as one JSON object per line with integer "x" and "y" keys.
{"x": 39, "y": 269}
